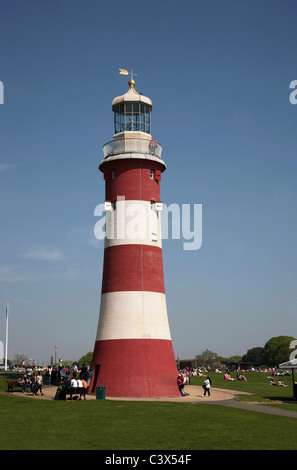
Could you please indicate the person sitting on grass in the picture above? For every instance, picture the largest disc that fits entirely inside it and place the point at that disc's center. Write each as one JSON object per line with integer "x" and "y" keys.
{"x": 281, "y": 384}
{"x": 242, "y": 377}
{"x": 227, "y": 376}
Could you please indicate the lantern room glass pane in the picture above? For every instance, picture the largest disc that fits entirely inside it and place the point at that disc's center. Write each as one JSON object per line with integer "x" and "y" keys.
{"x": 142, "y": 122}
{"x": 132, "y": 117}
{"x": 135, "y": 107}
{"x": 135, "y": 122}
{"x": 117, "y": 123}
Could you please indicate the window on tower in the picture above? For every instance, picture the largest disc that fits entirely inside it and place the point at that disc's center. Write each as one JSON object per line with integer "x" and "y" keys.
{"x": 132, "y": 117}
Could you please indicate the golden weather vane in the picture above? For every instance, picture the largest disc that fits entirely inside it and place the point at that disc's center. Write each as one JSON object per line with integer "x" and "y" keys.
{"x": 125, "y": 72}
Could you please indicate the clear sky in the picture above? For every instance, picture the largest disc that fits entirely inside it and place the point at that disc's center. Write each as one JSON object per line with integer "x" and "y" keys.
{"x": 218, "y": 73}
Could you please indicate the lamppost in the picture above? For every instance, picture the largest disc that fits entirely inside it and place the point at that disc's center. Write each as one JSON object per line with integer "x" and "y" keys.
{"x": 6, "y": 340}
{"x": 56, "y": 347}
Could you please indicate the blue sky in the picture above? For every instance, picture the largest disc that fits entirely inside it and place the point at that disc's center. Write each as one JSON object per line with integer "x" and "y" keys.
{"x": 218, "y": 73}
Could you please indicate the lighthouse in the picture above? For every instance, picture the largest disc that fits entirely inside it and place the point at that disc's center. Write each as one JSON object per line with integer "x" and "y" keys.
{"x": 133, "y": 354}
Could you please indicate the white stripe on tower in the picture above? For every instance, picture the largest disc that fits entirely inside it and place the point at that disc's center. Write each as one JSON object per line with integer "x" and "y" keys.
{"x": 133, "y": 222}
{"x": 146, "y": 312}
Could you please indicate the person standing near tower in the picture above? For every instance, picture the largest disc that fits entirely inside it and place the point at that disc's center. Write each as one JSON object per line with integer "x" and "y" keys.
{"x": 180, "y": 384}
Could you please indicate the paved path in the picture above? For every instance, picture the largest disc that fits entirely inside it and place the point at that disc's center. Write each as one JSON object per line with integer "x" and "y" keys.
{"x": 219, "y": 396}
{"x": 260, "y": 408}
{"x": 193, "y": 395}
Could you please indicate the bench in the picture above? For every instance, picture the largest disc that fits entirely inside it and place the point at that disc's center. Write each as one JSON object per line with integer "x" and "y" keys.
{"x": 11, "y": 384}
{"x": 81, "y": 391}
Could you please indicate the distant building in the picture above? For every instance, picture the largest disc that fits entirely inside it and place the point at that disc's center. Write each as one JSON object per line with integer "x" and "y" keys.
{"x": 241, "y": 365}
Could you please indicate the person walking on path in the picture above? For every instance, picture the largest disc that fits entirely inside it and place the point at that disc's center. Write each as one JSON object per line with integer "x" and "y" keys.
{"x": 38, "y": 384}
{"x": 206, "y": 386}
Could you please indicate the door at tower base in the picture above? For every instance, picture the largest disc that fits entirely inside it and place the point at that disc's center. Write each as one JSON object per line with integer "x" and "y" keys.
{"x": 135, "y": 368}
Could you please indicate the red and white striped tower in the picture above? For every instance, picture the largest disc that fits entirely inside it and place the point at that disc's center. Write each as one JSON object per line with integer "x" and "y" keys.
{"x": 133, "y": 354}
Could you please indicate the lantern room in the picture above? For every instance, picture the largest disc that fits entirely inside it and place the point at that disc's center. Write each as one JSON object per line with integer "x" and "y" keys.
{"x": 132, "y": 112}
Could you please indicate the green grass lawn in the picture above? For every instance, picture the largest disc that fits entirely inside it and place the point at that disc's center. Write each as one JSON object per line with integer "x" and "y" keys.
{"x": 257, "y": 385}
{"x": 114, "y": 425}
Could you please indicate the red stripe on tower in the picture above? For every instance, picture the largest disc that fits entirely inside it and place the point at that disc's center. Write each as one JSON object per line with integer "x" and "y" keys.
{"x": 133, "y": 268}
{"x": 133, "y": 354}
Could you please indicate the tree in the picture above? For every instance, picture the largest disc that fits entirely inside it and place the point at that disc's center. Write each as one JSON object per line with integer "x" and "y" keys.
{"x": 20, "y": 358}
{"x": 254, "y": 355}
{"x": 277, "y": 350}
{"x": 226, "y": 360}
{"x": 235, "y": 358}
{"x": 206, "y": 358}
{"x": 85, "y": 360}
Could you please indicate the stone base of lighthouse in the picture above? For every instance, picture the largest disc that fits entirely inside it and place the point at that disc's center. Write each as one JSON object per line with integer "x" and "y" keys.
{"x": 135, "y": 368}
